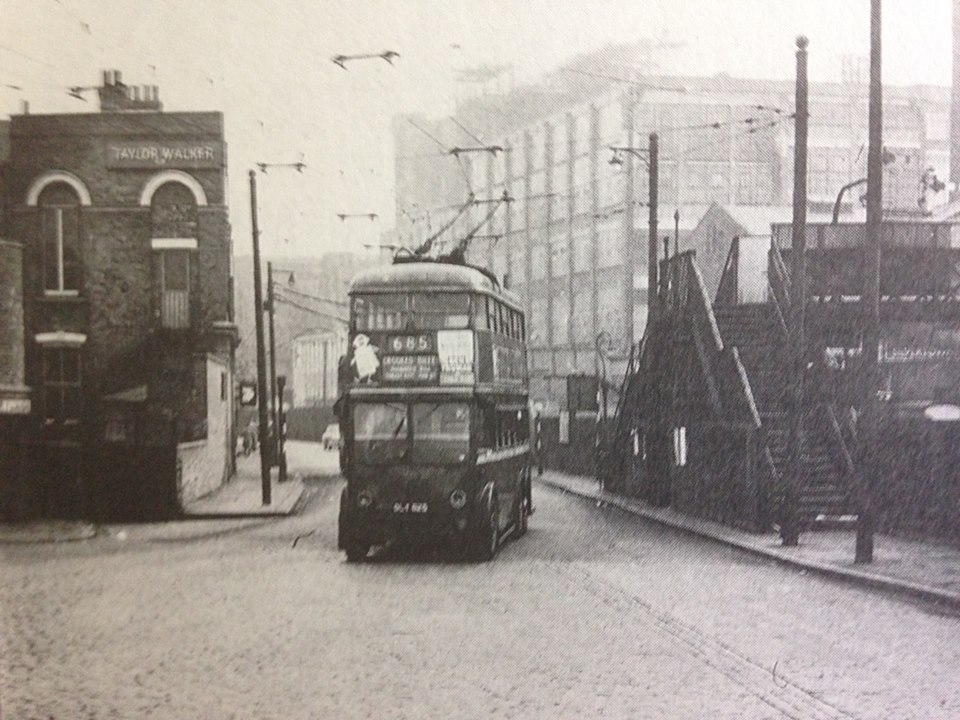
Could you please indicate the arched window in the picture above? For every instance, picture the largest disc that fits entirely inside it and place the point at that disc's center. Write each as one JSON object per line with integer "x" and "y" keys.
{"x": 60, "y": 236}
{"x": 173, "y": 221}
{"x": 173, "y": 212}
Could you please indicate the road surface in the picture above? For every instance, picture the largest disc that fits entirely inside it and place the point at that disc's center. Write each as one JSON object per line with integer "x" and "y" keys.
{"x": 593, "y": 614}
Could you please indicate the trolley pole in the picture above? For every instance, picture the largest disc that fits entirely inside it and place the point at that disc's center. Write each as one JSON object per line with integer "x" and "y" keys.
{"x": 790, "y": 515}
{"x": 261, "y": 350}
{"x": 871, "y": 298}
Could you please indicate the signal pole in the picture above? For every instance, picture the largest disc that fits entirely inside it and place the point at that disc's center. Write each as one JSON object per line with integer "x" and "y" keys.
{"x": 261, "y": 350}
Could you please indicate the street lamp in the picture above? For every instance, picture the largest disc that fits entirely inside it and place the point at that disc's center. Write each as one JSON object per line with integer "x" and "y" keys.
{"x": 650, "y": 157}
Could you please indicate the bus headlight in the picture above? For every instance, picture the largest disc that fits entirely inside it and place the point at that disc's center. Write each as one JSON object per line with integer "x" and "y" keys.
{"x": 458, "y": 499}
{"x": 365, "y": 498}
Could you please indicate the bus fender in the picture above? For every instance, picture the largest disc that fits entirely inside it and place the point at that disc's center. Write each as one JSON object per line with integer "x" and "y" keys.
{"x": 485, "y": 497}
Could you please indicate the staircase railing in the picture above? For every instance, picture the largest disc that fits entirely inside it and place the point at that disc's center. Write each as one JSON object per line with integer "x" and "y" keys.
{"x": 629, "y": 376}
{"x": 727, "y": 290}
{"x": 778, "y": 281}
{"x": 683, "y": 287}
{"x": 836, "y": 435}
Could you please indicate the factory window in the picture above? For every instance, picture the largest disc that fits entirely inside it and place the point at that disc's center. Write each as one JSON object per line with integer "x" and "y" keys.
{"x": 60, "y": 233}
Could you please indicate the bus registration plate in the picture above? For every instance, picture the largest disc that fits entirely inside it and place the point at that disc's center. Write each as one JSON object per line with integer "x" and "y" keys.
{"x": 410, "y": 507}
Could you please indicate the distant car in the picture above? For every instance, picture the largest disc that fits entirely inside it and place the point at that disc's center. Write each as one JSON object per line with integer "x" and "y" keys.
{"x": 331, "y": 437}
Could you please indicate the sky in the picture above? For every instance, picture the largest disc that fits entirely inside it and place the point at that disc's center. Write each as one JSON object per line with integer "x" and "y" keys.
{"x": 267, "y": 66}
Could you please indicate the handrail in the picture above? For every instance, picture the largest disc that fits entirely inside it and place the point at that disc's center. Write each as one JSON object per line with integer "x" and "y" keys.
{"x": 729, "y": 275}
{"x": 776, "y": 306}
{"x": 781, "y": 267}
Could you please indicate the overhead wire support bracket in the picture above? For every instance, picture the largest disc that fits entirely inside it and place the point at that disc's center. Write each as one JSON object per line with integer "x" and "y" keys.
{"x": 492, "y": 149}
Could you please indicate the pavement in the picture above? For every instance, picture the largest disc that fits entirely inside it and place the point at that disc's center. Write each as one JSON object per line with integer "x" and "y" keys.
{"x": 242, "y": 497}
{"x": 922, "y": 570}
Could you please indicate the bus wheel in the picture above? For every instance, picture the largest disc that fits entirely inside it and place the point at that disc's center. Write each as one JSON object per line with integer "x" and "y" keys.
{"x": 520, "y": 520}
{"x": 356, "y": 551}
{"x": 488, "y": 535}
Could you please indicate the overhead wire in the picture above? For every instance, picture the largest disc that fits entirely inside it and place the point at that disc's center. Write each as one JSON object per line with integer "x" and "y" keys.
{"x": 313, "y": 311}
{"x": 463, "y": 169}
{"x": 308, "y": 296}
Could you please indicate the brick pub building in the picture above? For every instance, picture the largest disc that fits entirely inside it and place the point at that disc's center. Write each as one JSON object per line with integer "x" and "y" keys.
{"x": 127, "y": 318}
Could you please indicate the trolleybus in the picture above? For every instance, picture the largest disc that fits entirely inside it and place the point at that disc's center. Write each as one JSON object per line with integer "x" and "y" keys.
{"x": 434, "y": 410}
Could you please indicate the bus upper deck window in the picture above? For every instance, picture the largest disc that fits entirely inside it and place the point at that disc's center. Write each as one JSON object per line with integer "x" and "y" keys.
{"x": 438, "y": 311}
{"x": 380, "y": 312}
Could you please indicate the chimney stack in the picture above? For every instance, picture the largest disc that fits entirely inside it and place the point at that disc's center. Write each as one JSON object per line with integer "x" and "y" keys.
{"x": 117, "y": 97}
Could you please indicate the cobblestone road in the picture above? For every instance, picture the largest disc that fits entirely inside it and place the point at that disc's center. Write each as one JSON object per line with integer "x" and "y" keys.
{"x": 593, "y": 614}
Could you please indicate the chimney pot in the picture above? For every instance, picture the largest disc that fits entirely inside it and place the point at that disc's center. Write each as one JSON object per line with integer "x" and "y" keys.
{"x": 116, "y": 77}
{"x": 106, "y": 78}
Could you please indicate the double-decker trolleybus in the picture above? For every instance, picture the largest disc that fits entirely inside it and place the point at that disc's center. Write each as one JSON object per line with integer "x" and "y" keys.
{"x": 434, "y": 409}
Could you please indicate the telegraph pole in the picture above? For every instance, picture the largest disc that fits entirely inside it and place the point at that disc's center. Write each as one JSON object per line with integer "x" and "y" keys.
{"x": 275, "y": 444}
{"x": 261, "y": 351}
{"x": 790, "y": 516}
{"x": 871, "y": 297}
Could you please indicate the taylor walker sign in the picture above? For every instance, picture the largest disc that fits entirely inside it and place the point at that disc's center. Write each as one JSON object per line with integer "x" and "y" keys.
{"x": 164, "y": 155}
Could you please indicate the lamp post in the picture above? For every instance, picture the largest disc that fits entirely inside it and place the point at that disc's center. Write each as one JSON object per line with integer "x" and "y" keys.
{"x": 650, "y": 157}
{"x": 863, "y": 552}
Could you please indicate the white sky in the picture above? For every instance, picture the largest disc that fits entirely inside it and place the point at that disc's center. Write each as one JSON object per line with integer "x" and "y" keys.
{"x": 266, "y": 65}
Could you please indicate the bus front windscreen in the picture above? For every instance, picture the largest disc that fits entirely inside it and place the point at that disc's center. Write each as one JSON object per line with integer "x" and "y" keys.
{"x": 439, "y": 435}
{"x": 380, "y": 432}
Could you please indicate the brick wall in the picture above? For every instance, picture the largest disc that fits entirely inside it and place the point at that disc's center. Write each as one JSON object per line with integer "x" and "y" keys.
{"x": 11, "y": 316}
{"x": 118, "y": 304}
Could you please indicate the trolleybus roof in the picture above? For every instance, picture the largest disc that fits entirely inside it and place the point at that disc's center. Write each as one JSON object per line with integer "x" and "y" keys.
{"x": 441, "y": 276}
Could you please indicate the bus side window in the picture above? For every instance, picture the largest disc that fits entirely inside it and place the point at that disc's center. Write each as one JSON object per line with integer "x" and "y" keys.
{"x": 488, "y": 426}
{"x": 479, "y": 312}
{"x": 491, "y": 314}
{"x": 502, "y": 312}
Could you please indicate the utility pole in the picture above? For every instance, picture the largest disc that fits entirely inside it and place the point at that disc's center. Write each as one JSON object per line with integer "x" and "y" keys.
{"x": 795, "y": 475}
{"x": 652, "y": 274}
{"x": 275, "y": 444}
{"x": 631, "y": 254}
{"x": 871, "y": 297}
{"x": 261, "y": 351}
